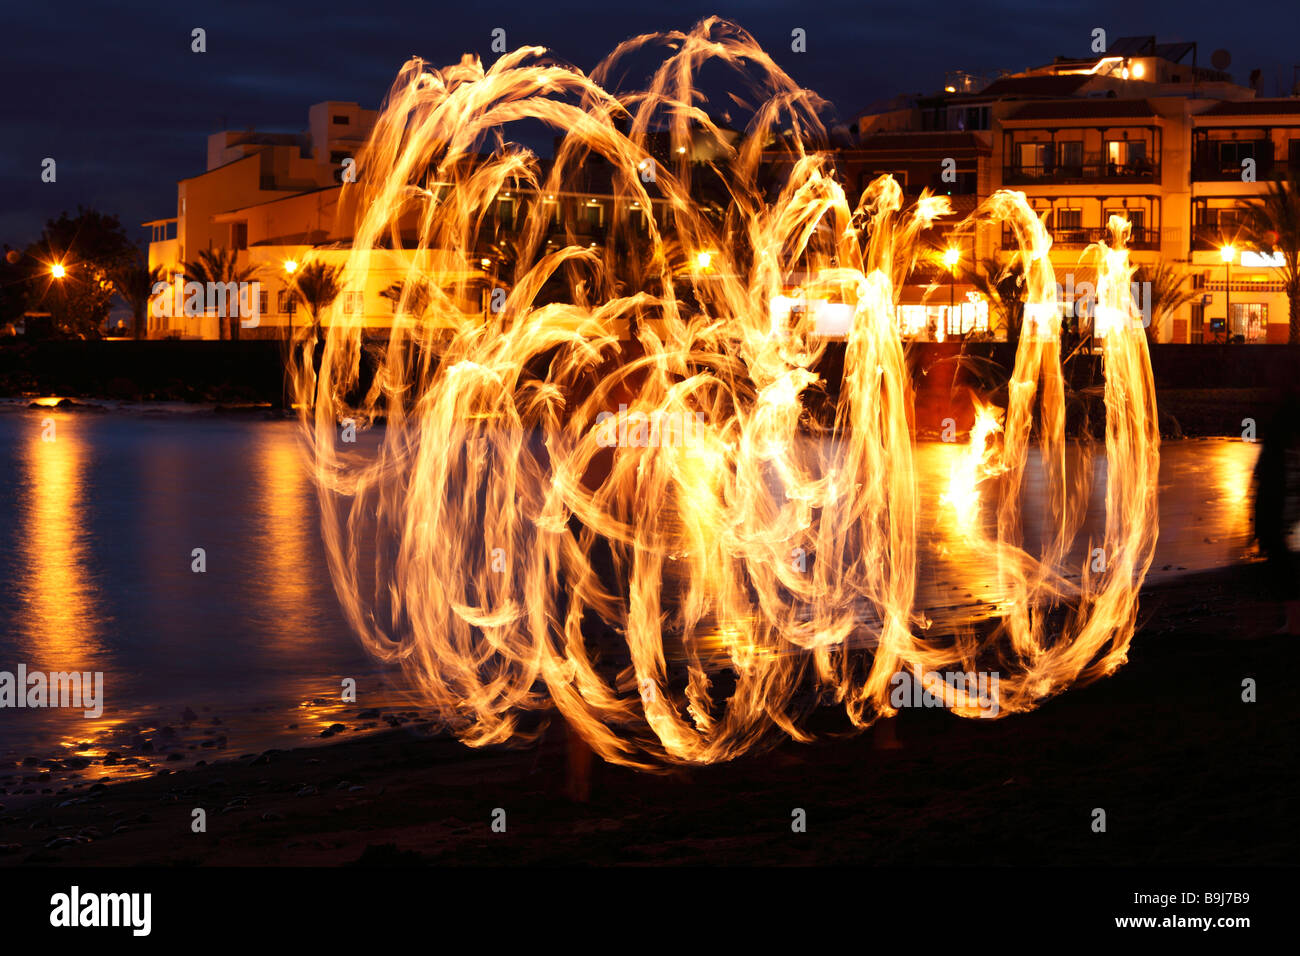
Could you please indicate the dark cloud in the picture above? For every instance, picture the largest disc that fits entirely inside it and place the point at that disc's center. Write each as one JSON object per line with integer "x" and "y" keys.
{"x": 114, "y": 94}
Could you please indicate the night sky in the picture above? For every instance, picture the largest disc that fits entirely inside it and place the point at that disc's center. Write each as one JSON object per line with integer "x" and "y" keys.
{"x": 114, "y": 94}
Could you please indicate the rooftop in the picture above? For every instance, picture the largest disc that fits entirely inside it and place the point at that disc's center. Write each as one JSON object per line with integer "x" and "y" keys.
{"x": 1084, "y": 108}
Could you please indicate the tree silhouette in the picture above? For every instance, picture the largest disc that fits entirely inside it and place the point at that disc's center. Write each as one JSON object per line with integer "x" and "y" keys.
{"x": 316, "y": 286}
{"x": 1273, "y": 226}
{"x": 221, "y": 266}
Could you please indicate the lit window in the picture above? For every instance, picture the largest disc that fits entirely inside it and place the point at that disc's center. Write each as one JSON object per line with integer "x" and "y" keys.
{"x": 1249, "y": 320}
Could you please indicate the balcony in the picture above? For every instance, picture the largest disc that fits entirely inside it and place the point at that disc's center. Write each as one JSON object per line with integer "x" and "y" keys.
{"x": 1143, "y": 172}
{"x": 1141, "y": 239}
{"x": 1210, "y": 237}
{"x": 1214, "y": 164}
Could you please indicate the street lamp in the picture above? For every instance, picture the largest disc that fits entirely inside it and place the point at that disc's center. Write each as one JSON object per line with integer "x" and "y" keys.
{"x": 1226, "y": 254}
{"x": 951, "y": 256}
{"x": 58, "y": 271}
{"x": 290, "y": 267}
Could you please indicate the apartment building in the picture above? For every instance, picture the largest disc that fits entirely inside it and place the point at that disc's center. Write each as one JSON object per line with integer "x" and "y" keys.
{"x": 275, "y": 201}
{"x": 264, "y": 196}
{"x": 1245, "y": 289}
{"x": 1142, "y": 131}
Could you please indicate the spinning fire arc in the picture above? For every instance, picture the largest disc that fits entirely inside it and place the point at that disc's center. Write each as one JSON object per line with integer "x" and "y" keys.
{"x": 659, "y": 540}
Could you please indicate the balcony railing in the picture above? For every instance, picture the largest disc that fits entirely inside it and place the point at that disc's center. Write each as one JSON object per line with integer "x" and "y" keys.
{"x": 1081, "y": 173}
{"x": 1141, "y": 238}
{"x": 1210, "y": 237}
{"x": 1210, "y": 166}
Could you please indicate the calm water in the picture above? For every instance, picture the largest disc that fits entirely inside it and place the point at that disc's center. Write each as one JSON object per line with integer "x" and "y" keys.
{"x": 95, "y": 575}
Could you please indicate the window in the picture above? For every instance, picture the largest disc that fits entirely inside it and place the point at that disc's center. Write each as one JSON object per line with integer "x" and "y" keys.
{"x": 1033, "y": 158}
{"x": 1069, "y": 219}
{"x": 263, "y": 303}
{"x": 1071, "y": 157}
{"x": 1227, "y": 219}
{"x": 339, "y": 120}
{"x": 1125, "y": 156}
{"x": 1249, "y": 320}
{"x": 1068, "y": 229}
{"x": 352, "y": 302}
{"x": 1232, "y": 153}
{"x": 285, "y": 302}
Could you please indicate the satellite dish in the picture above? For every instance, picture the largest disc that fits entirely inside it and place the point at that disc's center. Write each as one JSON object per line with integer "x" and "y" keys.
{"x": 1221, "y": 59}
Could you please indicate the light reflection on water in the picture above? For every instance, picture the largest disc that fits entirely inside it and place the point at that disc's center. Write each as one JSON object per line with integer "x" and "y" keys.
{"x": 95, "y": 555}
{"x": 1205, "y": 522}
{"x": 95, "y": 575}
{"x": 58, "y": 621}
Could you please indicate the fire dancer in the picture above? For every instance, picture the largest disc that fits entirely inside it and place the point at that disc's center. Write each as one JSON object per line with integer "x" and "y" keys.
{"x": 1277, "y": 504}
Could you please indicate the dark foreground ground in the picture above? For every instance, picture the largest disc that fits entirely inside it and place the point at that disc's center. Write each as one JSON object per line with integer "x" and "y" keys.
{"x": 1186, "y": 772}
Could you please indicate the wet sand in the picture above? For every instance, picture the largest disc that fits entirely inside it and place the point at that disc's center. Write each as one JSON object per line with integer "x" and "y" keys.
{"x": 1186, "y": 772}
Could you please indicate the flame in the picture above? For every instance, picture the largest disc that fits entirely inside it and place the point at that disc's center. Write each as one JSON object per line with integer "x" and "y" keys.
{"x": 971, "y": 468}
{"x": 519, "y": 545}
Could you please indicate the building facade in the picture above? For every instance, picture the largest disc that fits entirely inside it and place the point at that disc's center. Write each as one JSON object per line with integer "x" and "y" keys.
{"x": 1141, "y": 131}
{"x": 276, "y": 201}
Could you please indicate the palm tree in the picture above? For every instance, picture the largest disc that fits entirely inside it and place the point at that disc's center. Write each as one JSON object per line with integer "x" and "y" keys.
{"x": 134, "y": 282}
{"x": 221, "y": 267}
{"x": 1167, "y": 293}
{"x": 1273, "y": 225}
{"x": 1001, "y": 285}
{"x": 418, "y": 299}
{"x": 316, "y": 286}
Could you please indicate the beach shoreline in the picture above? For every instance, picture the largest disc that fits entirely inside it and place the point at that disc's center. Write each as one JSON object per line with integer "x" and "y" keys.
{"x": 1188, "y": 772}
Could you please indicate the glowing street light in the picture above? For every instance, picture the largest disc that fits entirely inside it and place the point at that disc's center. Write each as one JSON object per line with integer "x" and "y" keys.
{"x": 58, "y": 271}
{"x": 1227, "y": 253}
{"x": 290, "y": 266}
{"x": 703, "y": 260}
{"x": 951, "y": 256}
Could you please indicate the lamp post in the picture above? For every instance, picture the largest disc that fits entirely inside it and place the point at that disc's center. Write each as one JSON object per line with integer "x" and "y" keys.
{"x": 951, "y": 256}
{"x": 290, "y": 267}
{"x": 1227, "y": 253}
